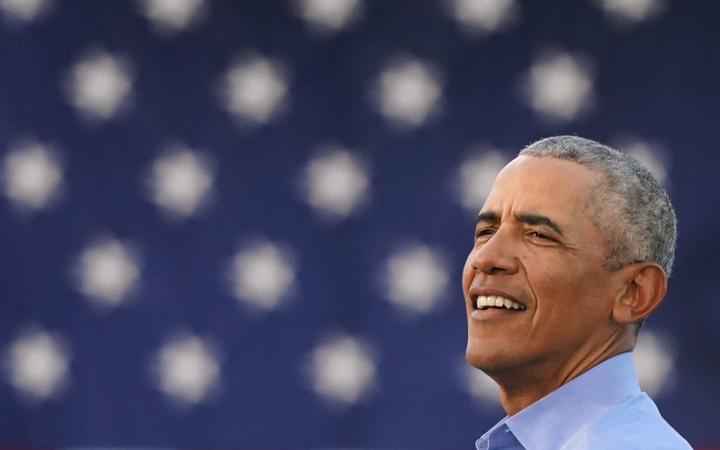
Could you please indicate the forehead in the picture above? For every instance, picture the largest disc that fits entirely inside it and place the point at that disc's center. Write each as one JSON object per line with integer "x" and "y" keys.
{"x": 543, "y": 185}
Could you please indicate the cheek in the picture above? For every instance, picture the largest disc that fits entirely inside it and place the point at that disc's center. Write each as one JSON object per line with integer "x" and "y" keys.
{"x": 551, "y": 277}
{"x": 566, "y": 292}
{"x": 467, "y": 274}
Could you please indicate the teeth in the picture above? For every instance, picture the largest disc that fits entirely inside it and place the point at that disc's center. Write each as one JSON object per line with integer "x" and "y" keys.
{"x": 485, "y": 301}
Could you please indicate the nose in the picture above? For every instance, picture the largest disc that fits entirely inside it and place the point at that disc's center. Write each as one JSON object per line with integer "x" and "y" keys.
{"x": 496, "y": 256}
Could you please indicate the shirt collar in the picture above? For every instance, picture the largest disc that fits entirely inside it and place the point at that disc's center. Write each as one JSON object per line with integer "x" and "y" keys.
{"x": 498, "y": 436}
{"x": 555, "y": 418}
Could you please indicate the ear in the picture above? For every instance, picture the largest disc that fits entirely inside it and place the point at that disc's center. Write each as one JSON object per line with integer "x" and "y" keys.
{"x": 646, "y": 284}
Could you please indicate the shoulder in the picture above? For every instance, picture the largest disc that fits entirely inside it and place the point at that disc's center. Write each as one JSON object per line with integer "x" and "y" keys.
{"x": 635, "y": 424}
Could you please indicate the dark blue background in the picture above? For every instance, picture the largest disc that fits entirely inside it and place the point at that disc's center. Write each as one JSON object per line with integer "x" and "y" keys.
{"x": 658, "y": 80}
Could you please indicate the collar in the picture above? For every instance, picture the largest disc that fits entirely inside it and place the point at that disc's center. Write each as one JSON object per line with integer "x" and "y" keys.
{"x": 555, "y": 418}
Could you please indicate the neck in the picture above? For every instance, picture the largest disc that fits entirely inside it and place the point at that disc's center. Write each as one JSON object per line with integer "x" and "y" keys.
{"x": 521, "y": 387}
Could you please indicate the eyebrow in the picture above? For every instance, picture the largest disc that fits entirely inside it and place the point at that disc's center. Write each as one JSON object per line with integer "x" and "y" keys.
{"x": 487, "y": 216}
{"x": 525, "y": 217}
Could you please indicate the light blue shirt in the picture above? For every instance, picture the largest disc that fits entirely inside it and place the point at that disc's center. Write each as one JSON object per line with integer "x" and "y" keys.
{"x": 603, "y": 408}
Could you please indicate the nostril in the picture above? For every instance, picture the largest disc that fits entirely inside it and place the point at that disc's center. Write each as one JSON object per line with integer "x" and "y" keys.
{"x": 490, "y": 270}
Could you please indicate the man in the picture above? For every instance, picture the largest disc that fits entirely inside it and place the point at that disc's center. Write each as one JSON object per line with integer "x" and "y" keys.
{"x": 572, "y": 251}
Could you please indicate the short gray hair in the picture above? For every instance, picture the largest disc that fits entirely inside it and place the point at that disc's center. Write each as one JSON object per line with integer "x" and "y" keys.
{"x": 639, "y": 220}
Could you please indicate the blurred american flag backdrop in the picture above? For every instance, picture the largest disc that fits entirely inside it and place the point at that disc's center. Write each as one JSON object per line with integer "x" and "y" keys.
{"x": 241, "y": 224}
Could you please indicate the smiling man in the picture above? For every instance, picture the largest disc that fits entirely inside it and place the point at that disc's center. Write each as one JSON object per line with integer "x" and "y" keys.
{"x": 572, "y": 251}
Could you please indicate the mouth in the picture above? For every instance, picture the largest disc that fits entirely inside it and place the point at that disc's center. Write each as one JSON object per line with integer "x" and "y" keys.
{"x": 485, "y": 302}
{"x": 490, "y": 304}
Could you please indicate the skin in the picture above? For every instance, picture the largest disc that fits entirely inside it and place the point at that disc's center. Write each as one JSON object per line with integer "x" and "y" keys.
{"x": 536, "y": 243}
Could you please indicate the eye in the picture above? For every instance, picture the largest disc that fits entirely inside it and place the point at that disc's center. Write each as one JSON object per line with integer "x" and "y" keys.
{"x": 539, "y": 235}
{"x": 481, "y": 233}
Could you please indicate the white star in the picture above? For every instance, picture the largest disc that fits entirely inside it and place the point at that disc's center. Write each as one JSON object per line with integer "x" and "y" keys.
{"x": 342, "y": 370}
{"x": 24, "y": 10}
{"x": 476, "y": 175}
{"x": 654, "y": 360}
{"x": 254, "y": 89}
{"x": 484, "y": 16}
{"x": 336, "y": 182}
{"x": 415, "y": 279}
{"x": 559, "y": 86}
{"x": 181, "y": 181}
{"x": 172, "y": 16}
{"x": 31, "y": 175}
{"x": 408, "y": 91}
{"x": 38, "y": 364}
{"x": 326, "y": 16}
{"x": 479, "y": 385}
{"x": 187, "y": 370}
{"x": 649, "y": 155}
{"x": 99, "y": 85}
{"x": 262, "y": 275}
{"x": 628, "y": 12}
{"x": 107, "y": 271}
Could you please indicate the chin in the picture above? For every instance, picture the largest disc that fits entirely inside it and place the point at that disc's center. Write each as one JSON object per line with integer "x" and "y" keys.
{"x": 473, "y": 361}
{"x": 485, "y": 358}
{"x": 476, "y": 357}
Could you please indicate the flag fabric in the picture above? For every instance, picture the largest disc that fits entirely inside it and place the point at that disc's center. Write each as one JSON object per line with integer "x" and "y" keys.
{"x": 241, "y": 224}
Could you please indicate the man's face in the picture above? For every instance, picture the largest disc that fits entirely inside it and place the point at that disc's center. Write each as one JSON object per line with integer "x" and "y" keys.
{"x": 536, "y": 245}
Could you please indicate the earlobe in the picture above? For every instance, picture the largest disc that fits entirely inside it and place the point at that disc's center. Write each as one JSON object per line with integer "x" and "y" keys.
{"x": 646, "y": 285}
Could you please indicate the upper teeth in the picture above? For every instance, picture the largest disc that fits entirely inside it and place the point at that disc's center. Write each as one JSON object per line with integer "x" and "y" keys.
{"x": 484, "y": 301}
